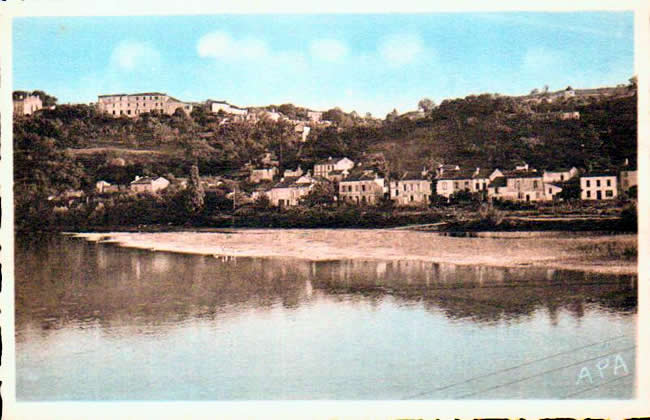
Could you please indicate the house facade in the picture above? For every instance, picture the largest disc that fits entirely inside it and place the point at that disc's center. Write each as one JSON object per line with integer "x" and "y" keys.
{"x": 411, "y": 189}
{"x": 363, "y": 188}
{"x": 258, "y": 175}
{"x": 628, "y": 179}
{"x": 560, "y": 174}
{"x": 290, "y": 190}
{"x": 324, "y": 167}
{"x": 26, "y": 104}
{"x": 598, "y": 186}
{"x": 148, "y": 184}
{"x": 216, "y": 106}
{"x": 132, "y": 105}
{"x": 452, "y": 181}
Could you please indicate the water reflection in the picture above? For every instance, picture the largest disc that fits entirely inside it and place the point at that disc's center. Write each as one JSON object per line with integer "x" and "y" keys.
{"x": 61, "y": 281}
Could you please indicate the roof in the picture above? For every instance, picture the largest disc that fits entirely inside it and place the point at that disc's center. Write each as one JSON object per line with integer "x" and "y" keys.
{"x": 523, "y": 175}
{"x": 458, "y": 174}
{"x": 329, "y": 160}
{"x": 559, "y": 169}
{"x": 360, "y": 177}
{"x": 143, "y": 180}
{"x": 134, "y": 94}
{"x": 499, "y": 181}
{"x": 597, "y": 174}
{"x": 413, "y": 176}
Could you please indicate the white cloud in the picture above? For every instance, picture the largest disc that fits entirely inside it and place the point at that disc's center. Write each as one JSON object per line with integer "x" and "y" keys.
{"x": 329, "y": 50}
{"x": 221, "y": 45}
{"x": 133, "y": 55}
{"x": 400, "y": 49}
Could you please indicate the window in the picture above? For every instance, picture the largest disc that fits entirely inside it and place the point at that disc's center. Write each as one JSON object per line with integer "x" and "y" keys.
{"x": 128, "y": 112}
{"x": 412, "y": 198}
{"x": 609, "y": 182}
{"x": 550, "y": 191}
{"x": 588, "y": 183}
{"x": 396, "y": 192}
{"x": 588, "y": 194}
{"x": 404, "y": 187}
{"x": 609, "y": 193}
{"x": 598, "y": 182}
{"x": 363, "y": 188}
{"x": 456, "y": 185}
{"x": 561, "y": 177}
{"x": 443, "y": 185}
{"x": 477, "y": 186}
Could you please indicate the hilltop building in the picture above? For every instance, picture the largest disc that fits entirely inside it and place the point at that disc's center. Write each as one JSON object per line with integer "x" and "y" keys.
{"x": 26, "y": 104}
{"x": 132, "y": 105}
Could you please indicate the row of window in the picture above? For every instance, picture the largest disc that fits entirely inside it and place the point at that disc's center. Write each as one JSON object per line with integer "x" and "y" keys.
{"x": 138, "y": 104}
{"x": 348, "y": 188}
{"x": 137, "y": 98}
{"x": 478, "y": 186}
{"x": 588, "y": 183}
{"x": 608, "y": 193}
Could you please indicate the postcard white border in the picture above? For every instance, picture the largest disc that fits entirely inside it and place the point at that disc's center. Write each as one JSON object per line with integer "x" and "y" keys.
{"x": 318, "y": 409}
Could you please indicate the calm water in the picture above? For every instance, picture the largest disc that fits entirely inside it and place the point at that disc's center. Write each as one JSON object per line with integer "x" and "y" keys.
{"x": 98, "y": 322}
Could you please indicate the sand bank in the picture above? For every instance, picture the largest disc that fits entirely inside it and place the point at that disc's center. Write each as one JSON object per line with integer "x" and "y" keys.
{"x": 563, "y": 251}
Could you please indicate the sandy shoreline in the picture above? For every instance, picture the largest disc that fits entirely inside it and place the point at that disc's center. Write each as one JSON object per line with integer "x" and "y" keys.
{"x": 550, "y": 251}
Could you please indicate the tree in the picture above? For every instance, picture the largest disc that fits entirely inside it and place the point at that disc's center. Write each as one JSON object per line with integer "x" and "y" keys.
{"x": 47, "y": 100}
{"x": 392, "y": 116}
{"x": 195, "y": 195}
{"x": 426, "y": 105}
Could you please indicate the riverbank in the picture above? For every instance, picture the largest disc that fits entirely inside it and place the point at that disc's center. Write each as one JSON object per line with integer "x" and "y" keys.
{"x": 615, "y": 254}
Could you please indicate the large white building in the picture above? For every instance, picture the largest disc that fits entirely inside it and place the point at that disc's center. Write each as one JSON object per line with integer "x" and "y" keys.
{"x": 132, "y": 105}
{"x": 26, "y": 104}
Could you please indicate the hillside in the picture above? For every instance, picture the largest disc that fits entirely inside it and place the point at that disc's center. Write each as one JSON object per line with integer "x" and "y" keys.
{"x": 72, "y": 146}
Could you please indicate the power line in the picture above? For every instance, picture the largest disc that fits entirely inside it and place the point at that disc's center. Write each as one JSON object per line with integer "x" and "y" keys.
{"x": 545, "y": 372}
{"x": 514, "y": 367}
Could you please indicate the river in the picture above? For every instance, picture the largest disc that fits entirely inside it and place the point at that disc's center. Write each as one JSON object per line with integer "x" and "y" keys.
{"x": 96, "y": 321}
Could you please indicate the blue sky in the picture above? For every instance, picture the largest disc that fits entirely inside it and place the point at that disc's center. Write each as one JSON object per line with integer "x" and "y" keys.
{"x": 367, "y": 63}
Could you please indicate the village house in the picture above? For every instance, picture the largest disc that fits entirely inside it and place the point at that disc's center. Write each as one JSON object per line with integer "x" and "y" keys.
{"x": 559, "y": 174}
{"x": 26, "y": 104}
{"x": 598, "y": 186}
{"x": 148, "y": 184}
{"x": 104, "y": 187}
{"x": 411, "y": 189}
{"x": 364, "y": 187}
{"x": 627, "y": 177}
{"x": 303, "y": 130}
{"x": 521, "y": 186}
{"x": 441, "y": 169}
{"x": 314, "y": 116}
{"x": 132, "y": 105}
{"x": 258, "y": 175}
{"x": 324, "y": 167}
{"x": 473, "y": 181}
{"x": 290, "y": 172}
{"x": 290, "y": 190}
{"x": 225, "y": 107}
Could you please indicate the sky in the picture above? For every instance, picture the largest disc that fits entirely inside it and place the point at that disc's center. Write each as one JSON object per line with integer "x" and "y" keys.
{"x": 368, "y": 63}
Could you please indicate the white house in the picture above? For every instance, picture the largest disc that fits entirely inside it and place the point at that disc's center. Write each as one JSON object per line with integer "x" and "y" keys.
{"x": 560, "y": 174}
{"x": 598, "y": 186}
{"x": 324, "y": 167}
{"x": 411, "y": 189}
{"x": 148, "y": 184}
